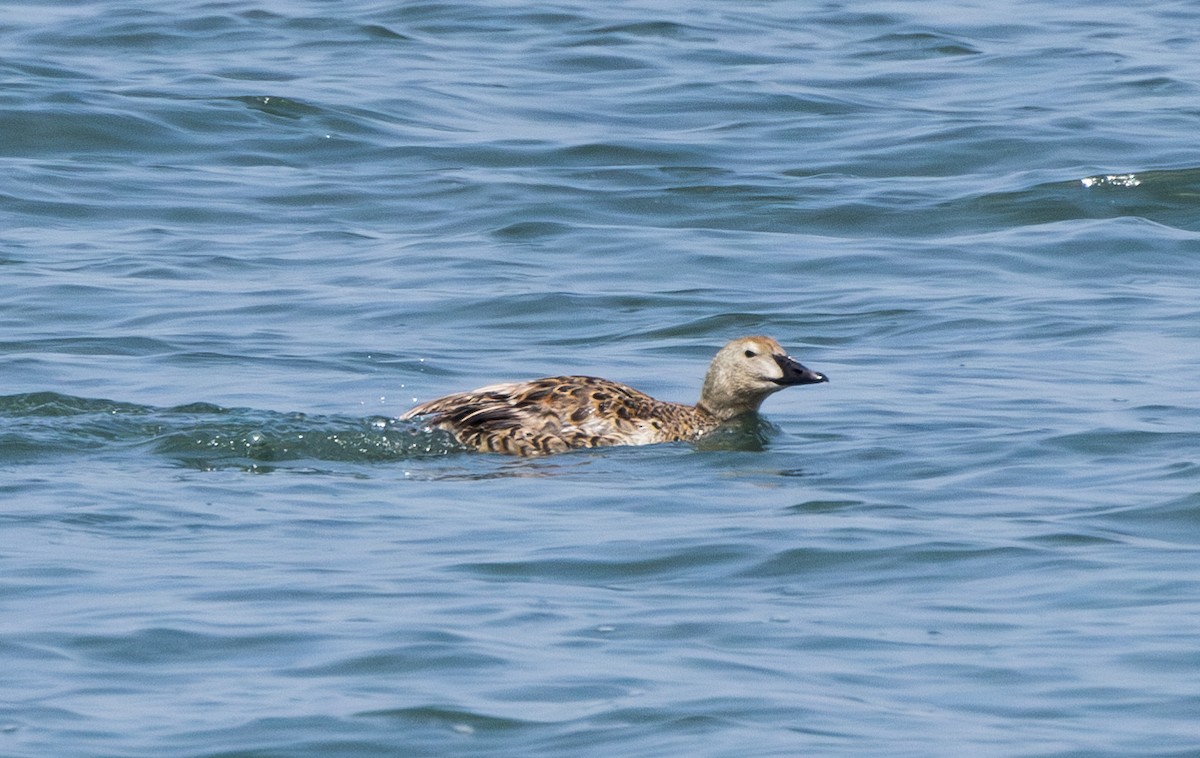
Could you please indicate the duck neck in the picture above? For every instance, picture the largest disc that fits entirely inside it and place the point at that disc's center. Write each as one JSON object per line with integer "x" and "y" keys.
{"x": 703, "y": 408}
{"x": 723, "y": 408}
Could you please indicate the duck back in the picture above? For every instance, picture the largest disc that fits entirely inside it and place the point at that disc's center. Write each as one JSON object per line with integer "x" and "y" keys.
{"x": 560, "y": 413}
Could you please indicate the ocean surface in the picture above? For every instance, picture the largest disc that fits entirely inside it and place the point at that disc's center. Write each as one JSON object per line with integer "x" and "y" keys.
{"x": 238, "y": 239}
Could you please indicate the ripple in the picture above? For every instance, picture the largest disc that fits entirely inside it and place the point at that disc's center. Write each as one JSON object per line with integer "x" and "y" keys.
{"x": 204, "y": 435}
{"x": 464, "y": 722}
{"x": 174, "y": 647}
{"x": 604, "y": 571}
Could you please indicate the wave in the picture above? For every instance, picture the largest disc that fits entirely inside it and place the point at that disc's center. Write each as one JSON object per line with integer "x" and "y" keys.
{"x": 42, "y": 424}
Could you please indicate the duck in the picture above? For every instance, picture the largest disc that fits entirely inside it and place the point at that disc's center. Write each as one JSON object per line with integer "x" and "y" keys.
{"x": 556, "y": 414}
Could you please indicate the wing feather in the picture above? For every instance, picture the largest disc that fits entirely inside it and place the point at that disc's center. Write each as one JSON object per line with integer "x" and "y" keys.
{"x": 555, "y": 414}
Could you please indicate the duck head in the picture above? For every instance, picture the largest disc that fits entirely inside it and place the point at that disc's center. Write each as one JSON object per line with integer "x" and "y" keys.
{"x": 745, "y": 372}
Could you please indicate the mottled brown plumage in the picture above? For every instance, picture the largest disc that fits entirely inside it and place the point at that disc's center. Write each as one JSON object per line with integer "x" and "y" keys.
{"x": 560, "y": 413}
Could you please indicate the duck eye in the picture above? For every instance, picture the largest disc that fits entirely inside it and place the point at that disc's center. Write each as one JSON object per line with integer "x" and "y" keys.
{"x": 750, "y": 353}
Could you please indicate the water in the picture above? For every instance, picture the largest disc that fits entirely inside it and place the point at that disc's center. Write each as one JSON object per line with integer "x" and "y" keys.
{"x": 238, "y": 239}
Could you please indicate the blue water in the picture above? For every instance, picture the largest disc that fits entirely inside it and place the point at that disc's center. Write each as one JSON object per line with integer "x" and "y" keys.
{"x": 237, "y": 239}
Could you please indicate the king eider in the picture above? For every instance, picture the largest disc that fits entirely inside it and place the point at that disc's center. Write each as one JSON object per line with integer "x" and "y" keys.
{"x": 560, "y": 413}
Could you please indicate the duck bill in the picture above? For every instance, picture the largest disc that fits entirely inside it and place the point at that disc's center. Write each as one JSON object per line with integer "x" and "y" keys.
{"x": 794, "y": 373}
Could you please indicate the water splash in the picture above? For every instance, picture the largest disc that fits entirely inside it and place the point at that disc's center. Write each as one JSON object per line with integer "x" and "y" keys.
{"x": 42, "y": 424}
{"x": 1111, "y": 180}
